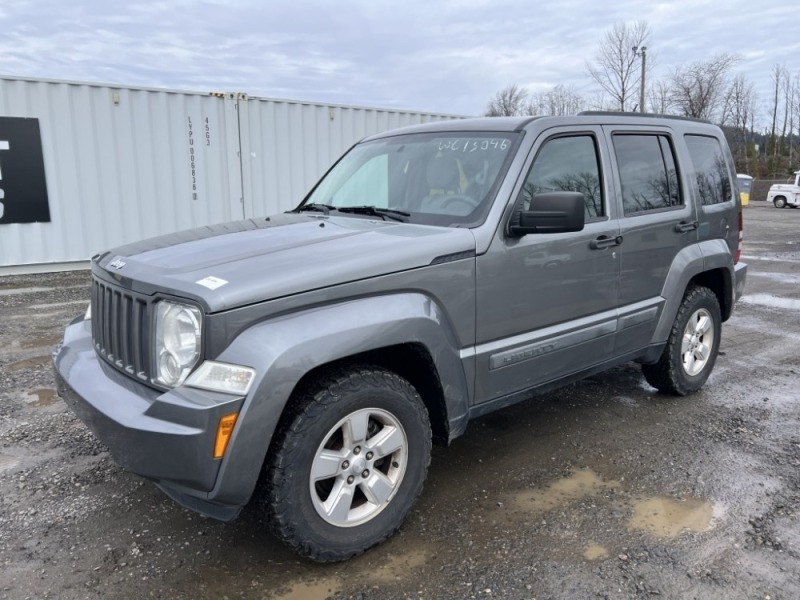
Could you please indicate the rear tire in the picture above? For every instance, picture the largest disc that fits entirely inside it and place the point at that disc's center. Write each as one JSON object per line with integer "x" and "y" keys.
{"x": 692, "y": 346}
{"x": 779, "y": 202}
{"x": 348, "y": 462}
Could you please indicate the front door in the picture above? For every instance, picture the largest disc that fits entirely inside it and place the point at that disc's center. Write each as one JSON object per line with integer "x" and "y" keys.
{"x": 546, "y": 303}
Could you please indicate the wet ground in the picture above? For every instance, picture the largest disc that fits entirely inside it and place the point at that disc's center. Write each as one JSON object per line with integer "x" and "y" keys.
{"x": 603, "y": 489}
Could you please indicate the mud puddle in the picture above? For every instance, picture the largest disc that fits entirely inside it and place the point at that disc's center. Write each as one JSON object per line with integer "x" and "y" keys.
{"x": 60, "y": 304}
{"x": 397, "y": 567}
{"x": 771, "y": 301}
{"x": 577, "y": 486}
{"x": 42, "y": 397}
{"x": 780, "y": 259}
{"x": 659, "y": 516}
{"x": 42, "y": 342}
{"x": 664, "y": 517}
{"x": 595, "y": 552}
{"x": 778, "y": 277}
{"x": 10, "y": 290}
{"x": 29, "y": 363}
{"x": 8, "y": 463}
{"x": 317, "y": 590}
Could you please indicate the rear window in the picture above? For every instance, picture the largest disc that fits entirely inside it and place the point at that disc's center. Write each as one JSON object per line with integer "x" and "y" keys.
{"x": 712, "y": 178}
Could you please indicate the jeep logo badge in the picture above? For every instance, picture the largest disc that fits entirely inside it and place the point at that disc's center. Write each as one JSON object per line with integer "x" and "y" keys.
{"x": 117, "y": 264}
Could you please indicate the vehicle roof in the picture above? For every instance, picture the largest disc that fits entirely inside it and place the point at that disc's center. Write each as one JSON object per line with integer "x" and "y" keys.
{"x": 510, "y": 124}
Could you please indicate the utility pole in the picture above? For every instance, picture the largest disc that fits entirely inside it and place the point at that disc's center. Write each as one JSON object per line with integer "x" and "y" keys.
{"x": 643, "y": 54}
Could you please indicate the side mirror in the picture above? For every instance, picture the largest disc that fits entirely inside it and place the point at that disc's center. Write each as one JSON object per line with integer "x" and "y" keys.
{"x": 553, "y": 212}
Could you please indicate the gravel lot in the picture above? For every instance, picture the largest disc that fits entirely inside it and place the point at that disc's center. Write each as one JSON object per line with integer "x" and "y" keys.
{"x": 603, "y": 489}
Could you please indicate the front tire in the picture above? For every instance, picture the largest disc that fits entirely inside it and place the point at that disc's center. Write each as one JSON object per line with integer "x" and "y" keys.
{"x": 692, "y": 346}
{"x": 347, "y": 464}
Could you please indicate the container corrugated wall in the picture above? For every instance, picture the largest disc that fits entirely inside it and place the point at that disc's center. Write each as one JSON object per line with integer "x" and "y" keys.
{"x": 124, "y": 164}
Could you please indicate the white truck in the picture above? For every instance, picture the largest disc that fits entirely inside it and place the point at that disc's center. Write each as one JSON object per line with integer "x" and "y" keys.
{"x": 785, "y": 194}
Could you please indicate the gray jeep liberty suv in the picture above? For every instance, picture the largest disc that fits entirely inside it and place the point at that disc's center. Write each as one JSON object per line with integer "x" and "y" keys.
{"x": 434, "y": 274}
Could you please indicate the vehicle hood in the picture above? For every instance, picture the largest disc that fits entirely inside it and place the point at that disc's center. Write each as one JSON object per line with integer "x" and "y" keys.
{"x": 233, "y": 264}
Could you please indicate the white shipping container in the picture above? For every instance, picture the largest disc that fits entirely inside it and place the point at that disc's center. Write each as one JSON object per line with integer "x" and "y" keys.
{"x": 123, "y": 164}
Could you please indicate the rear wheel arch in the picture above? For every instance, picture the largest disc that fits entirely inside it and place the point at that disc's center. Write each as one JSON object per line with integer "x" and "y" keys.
{"x": 720, "y": 282}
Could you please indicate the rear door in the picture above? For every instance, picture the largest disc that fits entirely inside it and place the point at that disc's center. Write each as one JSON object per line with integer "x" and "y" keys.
{"x": 714, "y": 190}
{"x": 657, "y": 222}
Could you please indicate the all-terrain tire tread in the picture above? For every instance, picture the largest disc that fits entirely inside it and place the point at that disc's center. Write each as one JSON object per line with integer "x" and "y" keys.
{"x": 308, "y": 406}
{"x": 664, "y": 375}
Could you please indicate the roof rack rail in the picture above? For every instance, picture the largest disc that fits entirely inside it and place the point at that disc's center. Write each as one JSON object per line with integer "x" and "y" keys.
{"x": 617, "y": 113}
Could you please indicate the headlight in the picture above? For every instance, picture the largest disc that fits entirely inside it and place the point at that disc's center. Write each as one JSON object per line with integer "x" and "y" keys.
{"x": 177, "y": 344}
{"x": 88, "y": 314}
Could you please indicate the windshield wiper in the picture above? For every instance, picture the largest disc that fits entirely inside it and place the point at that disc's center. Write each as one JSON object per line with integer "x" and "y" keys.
{"x": 323, "y": 208}
{"x": 397, "y": 215}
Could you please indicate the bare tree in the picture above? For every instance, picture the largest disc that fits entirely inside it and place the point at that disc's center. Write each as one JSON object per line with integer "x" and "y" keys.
{"x": 788, "y": 99}
{"x": 508, "y": 102}
{"x": 698, "y": 89}
{"x": 560, "y": 100}
{"x": 794, "y": 128}
{"x": 660, "y": 98}
{"x": 780, "y": 79}
{"x": 599, "y": 101}
{"x": 740, "y": 106}
{"x": 616, "y": 65}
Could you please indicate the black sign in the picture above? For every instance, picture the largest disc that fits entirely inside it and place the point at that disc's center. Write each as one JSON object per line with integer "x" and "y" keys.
{"x": 23, "y": 187}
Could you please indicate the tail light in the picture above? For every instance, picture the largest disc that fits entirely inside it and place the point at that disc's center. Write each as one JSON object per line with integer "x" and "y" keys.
{"x": 741, "y": 237}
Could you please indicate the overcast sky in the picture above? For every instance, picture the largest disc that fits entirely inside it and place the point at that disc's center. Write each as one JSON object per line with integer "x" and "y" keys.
{"x": 440, "y": 56}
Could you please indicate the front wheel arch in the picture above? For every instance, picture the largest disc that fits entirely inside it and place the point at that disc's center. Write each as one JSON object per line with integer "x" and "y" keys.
{"x": 411, "y": 361}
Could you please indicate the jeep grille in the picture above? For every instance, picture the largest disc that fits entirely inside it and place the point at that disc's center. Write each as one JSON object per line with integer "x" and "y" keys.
{"x": 121, "y": 329}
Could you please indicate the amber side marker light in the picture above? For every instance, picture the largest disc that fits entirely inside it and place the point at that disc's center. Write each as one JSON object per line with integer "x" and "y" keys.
{"x": 224, "y": 431}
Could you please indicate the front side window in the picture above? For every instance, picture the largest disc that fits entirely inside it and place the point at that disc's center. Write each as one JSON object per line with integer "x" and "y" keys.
{"x": 712, "y": 176}
{"x": 647, "y": 172}
{"x": 433, "y": 178}
{"x": 567, "y": 164}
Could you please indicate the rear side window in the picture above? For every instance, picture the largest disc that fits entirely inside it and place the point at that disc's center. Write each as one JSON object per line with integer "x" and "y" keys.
{"x": 647, "y": 172}
{"x": 712, "y": 175}
{"x": 568, "y": 164}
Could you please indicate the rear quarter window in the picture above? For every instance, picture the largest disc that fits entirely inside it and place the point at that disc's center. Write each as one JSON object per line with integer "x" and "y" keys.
{"x": 712, "y": 176}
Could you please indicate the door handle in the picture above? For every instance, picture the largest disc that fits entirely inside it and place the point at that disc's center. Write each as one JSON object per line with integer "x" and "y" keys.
{"x": 605, "y": 241}
{"x": 685, "y": 226}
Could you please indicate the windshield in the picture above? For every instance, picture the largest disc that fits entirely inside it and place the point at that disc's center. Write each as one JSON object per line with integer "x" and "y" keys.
{"x": 437, "y": 179}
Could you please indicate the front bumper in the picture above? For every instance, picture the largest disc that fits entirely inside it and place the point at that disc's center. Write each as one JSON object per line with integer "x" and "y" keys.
{"x": 164, "y": 436}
